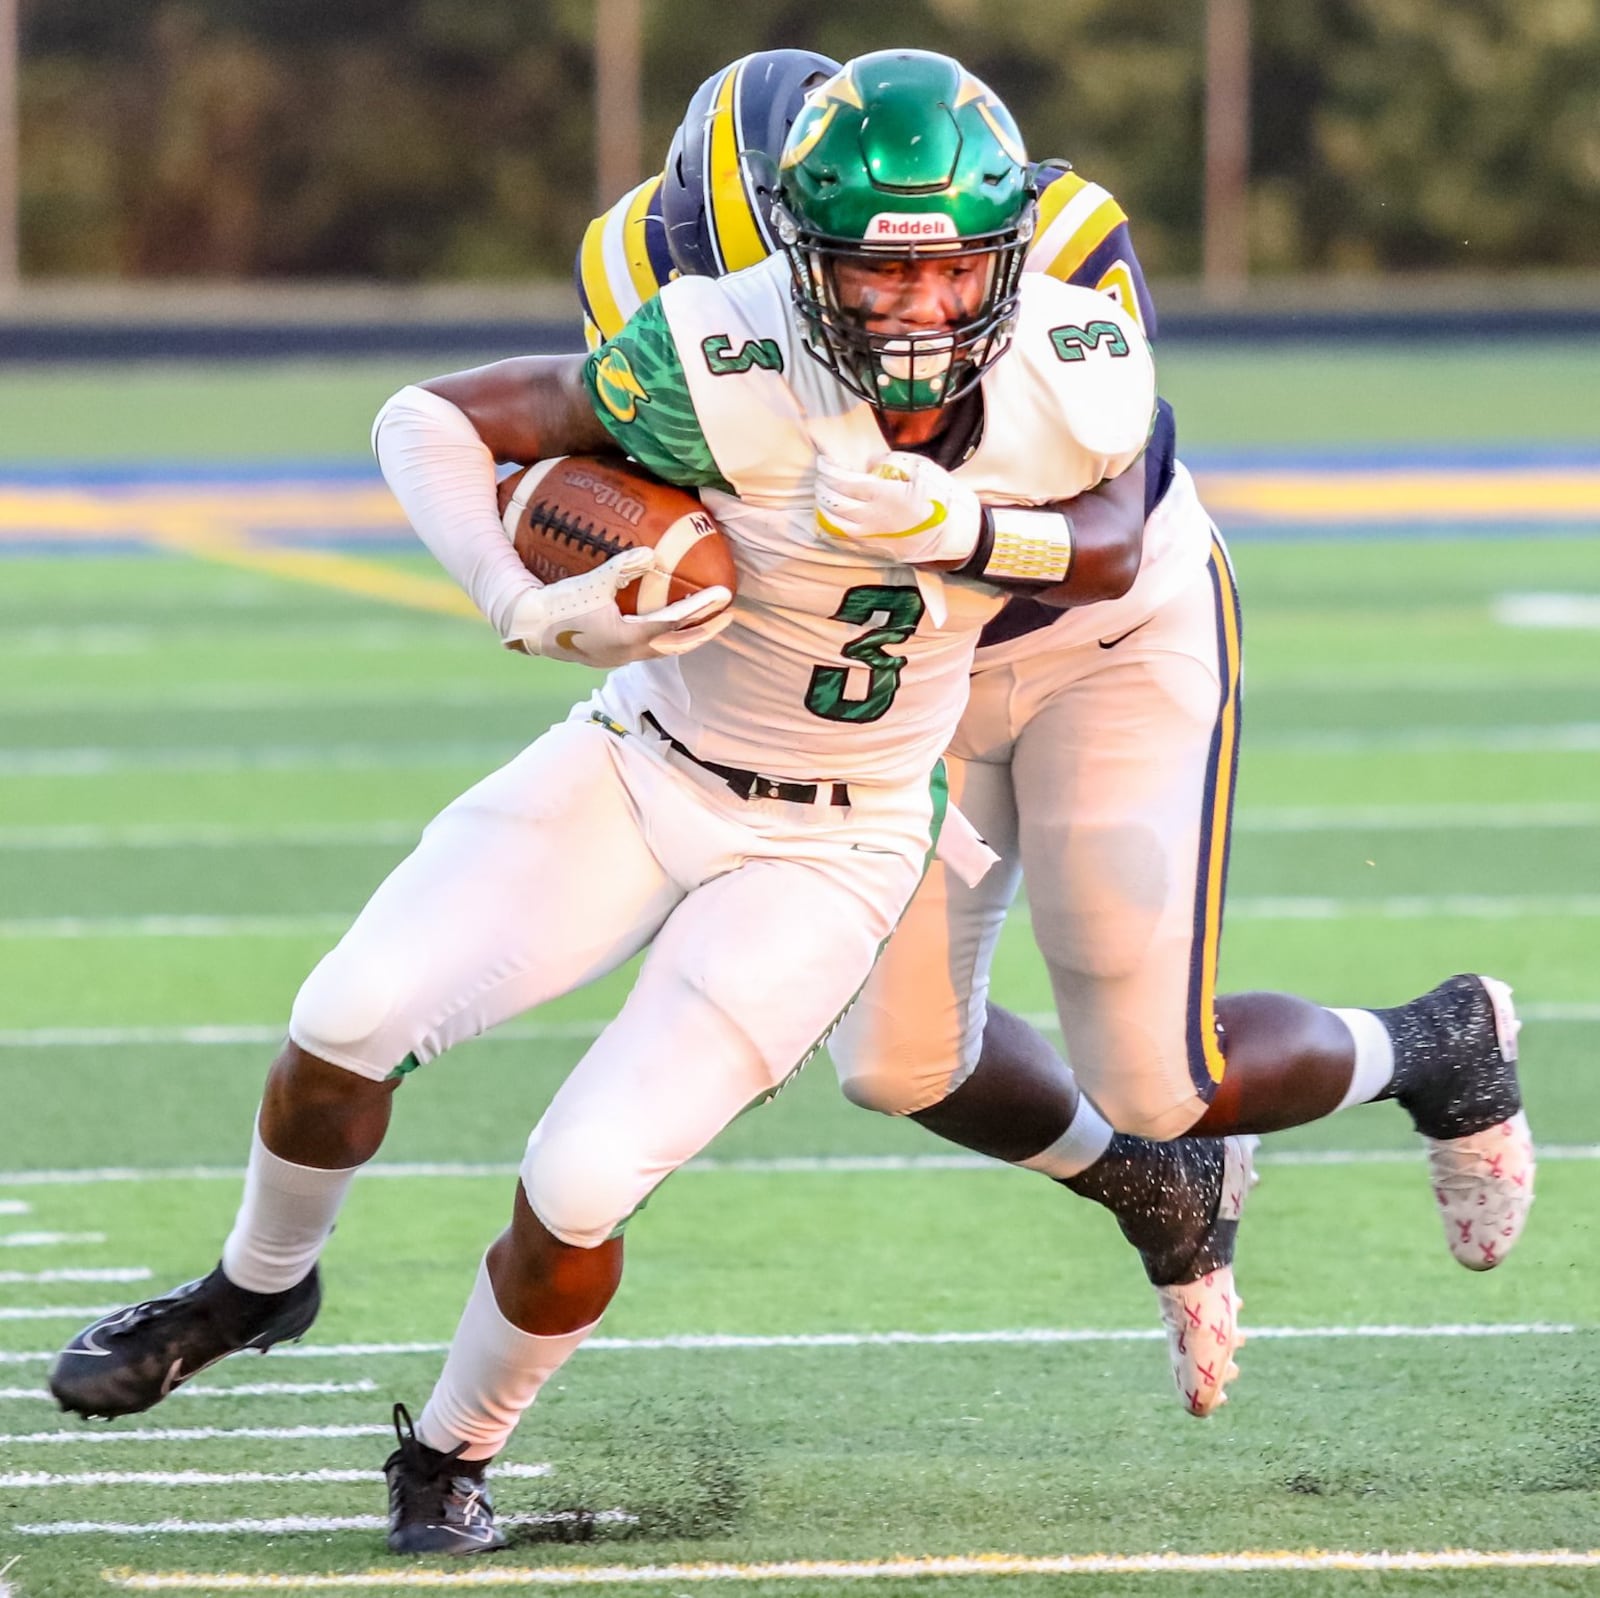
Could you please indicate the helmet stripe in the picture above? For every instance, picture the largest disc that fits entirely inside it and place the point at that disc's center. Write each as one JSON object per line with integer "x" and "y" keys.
{"x": 733, "y": 226}
{"x": 596, "y": 285}
{"x": 641, "y": 270}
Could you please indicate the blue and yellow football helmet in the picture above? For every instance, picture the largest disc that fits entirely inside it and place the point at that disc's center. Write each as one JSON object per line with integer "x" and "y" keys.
{"x": 717, "y": 188}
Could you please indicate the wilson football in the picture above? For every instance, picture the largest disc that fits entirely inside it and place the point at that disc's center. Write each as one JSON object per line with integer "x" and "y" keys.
{"x": 570, "y": 514}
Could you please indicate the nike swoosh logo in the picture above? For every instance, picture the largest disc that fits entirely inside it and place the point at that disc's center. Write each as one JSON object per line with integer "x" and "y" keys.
{"x": 177, "y": 1376}
{"x": 933, "y": 519}
{"x": 90, "y": 1346}
{"x": 1111, "y": 643}
{"x": 567, "y": 638}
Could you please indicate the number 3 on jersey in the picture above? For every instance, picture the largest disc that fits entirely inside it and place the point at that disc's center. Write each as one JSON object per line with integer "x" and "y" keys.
{"x": 900, "y": 609}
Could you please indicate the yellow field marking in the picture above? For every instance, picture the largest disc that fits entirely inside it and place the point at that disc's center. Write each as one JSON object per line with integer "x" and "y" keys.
{"x": 216, "y": 523}
{"x": 1402, "y": 496}
{"x": 130, "y": 511}
{"x": 861, "y": 1570}
{"x": 227, "y": 546}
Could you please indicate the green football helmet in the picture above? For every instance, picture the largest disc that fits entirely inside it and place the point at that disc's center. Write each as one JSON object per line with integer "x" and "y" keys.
{"x": 901, "y": 156}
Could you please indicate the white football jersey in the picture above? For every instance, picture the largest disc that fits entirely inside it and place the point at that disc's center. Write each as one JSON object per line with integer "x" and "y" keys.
{"x": 841, "y": 666}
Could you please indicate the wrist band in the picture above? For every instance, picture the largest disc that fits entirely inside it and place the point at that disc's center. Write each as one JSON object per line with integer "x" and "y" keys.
{"x": 1025, "y": 547}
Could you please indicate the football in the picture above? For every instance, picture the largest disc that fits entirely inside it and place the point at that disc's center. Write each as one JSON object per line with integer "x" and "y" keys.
{"x": 568, "y": 515}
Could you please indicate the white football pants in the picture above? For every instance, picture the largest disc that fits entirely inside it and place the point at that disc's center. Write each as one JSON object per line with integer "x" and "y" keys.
{"x": 1104, "y": 778}
{"x": 762, "y": 919}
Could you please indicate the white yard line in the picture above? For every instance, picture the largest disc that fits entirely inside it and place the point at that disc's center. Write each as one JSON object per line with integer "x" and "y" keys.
{"x": 97, "y": 1438}
{"x": 243, "y": 1390}
{"x": 1401, "y": 818}
{"x": 117, "y": 760}
{"x": 1565, "y": 611}
{"x": 96, "y": 701}
{"x": 100, "y": 760}
{"x": 373, "y": 834}
{"x": 1409, "y": 907}
{"x": 781, "y": 1165}
{"x": 1416, "y": 907}
{"x": 223, "y": 1478}
{"x": 218, "y": 835}
{"x": 55, "y": 1312}
{"x": 110, "y": 1273}
{"x": 137, "y": 639}
{"x": 504, "y": 694}
{"x": 1570, "y": 737}
{"x": 175, "y": 926}
{"x": 278, "y": 1525}
{"x": 15, "y": 1207}
{"x": 48, "y": 1239}
{"x": 984, "y": 1565}
{"x": 267, "y": 1034}
{"x": 738, "y": 1342}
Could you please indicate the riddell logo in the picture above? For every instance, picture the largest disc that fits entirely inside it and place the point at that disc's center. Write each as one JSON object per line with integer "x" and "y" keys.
{"x": 910, "y": 225}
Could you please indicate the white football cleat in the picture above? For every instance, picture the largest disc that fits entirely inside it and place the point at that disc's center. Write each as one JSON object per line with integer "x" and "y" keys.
{"x": 1202, "y": 1316}
{"x": 1483, "y": 1186}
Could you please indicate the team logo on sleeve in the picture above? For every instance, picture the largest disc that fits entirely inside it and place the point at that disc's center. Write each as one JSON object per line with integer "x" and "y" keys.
{"x": 617, "y": 388}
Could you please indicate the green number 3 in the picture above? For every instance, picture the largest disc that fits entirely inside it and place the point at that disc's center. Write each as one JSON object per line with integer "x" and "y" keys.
{"x": 900, "y": 609}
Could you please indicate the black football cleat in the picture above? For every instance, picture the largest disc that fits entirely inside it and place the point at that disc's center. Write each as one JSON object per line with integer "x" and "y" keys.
{"x": 438, "y": 1503}
{"x": 1179, "y": 1204}
{"x": 1456, "y": 1074}
{"x": 132, "y": 1358}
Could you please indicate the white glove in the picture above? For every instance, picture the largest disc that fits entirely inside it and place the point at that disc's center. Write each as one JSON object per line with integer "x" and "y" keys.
{"x": 907, "y": 508}
{"x": 577, "y": 618}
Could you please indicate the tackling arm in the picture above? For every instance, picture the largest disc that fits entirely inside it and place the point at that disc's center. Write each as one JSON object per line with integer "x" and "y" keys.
{"x": 1072, "y": 552}
{"x": 528, "y": 409}
{"x": 1100, "y": 531}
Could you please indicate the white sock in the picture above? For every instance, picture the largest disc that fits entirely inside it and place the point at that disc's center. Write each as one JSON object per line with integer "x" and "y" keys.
{"x": 284, "y": 1219}
{"x": 1374, "y": 1057}
{"x": 493, "y": 1371}
{"x": 1087, "y": 1137}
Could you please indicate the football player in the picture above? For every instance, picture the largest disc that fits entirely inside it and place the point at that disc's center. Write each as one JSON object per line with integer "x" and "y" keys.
{"x": 1097, "y": 754}
{"x": 710, "y": 211}
{"x": 753, "y": 790}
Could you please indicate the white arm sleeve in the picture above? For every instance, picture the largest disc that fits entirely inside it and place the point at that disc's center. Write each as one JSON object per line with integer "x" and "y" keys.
{"x": 443, "y": 476}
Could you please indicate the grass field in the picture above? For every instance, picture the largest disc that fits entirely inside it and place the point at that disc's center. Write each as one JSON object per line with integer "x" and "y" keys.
{"x": 204, "y": 770}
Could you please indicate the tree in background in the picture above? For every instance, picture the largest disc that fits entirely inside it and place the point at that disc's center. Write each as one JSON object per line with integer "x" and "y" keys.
{"x": 411, "y": 139}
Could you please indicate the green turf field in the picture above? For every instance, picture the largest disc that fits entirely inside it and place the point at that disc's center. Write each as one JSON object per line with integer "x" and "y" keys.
{"x": 203, "y": 771}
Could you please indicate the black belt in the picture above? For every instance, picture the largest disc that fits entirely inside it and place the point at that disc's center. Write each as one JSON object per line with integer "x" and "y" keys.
{"x": 751, "y": 784}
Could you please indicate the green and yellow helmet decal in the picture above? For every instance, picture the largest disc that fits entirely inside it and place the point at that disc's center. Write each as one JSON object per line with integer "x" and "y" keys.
{"x": 904, "y": 153}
